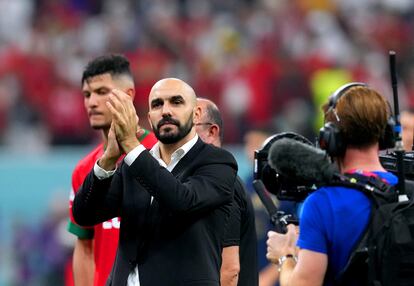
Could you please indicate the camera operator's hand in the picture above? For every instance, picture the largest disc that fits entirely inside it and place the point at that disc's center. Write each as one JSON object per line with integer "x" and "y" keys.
{"x": 279, "y": 245}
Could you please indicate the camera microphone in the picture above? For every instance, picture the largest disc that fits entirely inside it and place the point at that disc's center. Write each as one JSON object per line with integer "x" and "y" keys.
{"x": 301, "y": 162}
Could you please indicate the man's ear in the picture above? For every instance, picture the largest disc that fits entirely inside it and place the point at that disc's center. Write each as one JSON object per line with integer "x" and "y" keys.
{"x": 149, "y": 121}
{"x": 131, "y": 92}
{"x": 197, "y": 114}
{"x": 214, "y": 131}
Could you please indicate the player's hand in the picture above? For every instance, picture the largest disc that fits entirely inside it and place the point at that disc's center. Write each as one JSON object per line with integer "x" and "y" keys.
{"x": 112, "y": 151}
{"x": 125, "y": 119}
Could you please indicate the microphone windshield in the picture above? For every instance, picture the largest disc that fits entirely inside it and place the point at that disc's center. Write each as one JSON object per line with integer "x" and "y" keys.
{"x": 301, "y": 162}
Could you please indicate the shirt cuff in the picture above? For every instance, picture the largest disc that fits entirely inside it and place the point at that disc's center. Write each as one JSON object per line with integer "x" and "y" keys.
{"x": 101, "y": 173}
{"x": 133, "y": 154}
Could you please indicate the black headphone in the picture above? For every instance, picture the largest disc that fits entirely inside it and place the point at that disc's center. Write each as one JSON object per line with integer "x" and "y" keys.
{"x": 330, "y": 137}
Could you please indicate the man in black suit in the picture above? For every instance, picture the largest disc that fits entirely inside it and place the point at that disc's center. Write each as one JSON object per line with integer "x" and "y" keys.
{"x": 173, "y": 201}
{"x": 239, "y": 254}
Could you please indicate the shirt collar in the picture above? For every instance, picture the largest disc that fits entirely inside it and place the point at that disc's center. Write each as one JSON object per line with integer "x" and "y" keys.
{"x": 179, "y": 153}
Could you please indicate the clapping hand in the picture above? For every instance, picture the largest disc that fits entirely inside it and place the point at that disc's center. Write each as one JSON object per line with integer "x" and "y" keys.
{"x": 112, "y": 151}
{"x": 124, "y": 120}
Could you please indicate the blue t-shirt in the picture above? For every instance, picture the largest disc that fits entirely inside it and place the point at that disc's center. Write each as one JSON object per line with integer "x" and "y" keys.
{"x": 332, "y": 221}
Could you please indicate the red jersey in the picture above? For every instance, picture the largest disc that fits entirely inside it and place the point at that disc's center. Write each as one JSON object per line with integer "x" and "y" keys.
{"x": 105, "y": 235}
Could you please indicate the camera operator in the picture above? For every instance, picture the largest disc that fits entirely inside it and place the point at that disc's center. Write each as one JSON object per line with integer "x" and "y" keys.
{"x": 334, "y": 218}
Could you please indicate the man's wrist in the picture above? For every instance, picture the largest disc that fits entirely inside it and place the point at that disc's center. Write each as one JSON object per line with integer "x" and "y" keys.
{"x": 107, "y": 164}
{"x": 284, "y": 258}
{"x": 102, "y": 174}
{"x": 133, "y": 154}
{"x": 129, "y": 144}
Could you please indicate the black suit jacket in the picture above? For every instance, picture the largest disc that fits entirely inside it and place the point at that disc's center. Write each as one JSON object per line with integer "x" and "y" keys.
{"x": 249, "y": 275}
{"x": 176, "y": 239}
{"x": 241, "y": 231}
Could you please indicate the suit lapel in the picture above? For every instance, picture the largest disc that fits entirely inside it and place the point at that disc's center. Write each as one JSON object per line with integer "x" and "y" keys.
{"x": 188, "y": 158}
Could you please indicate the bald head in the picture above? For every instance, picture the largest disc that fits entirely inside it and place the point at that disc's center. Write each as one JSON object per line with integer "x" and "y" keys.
{"x": 209, "y": 125}
{"x": 205, "y": 104}
{"x": 209, "y": 111}
{"x": 173, "y": 86}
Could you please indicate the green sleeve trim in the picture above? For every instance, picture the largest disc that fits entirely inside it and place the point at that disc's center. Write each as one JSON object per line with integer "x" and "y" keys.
{"x": 146, "y": 132}
{"x": 80, "y": 232}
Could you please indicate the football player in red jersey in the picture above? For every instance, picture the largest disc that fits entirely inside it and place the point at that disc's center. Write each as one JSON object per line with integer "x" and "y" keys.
{"x": 95, "y": 248}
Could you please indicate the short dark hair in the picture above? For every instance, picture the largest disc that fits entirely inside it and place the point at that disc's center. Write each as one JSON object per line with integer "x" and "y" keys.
{"x": 114, "y": 64}
{"x": 214, "y": 116}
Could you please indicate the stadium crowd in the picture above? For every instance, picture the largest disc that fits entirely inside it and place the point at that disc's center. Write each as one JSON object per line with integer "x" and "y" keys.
{"x": 262, "y": 61}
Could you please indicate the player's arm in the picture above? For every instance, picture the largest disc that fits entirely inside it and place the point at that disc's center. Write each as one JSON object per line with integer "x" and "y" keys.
{"x": 83, "y": 262}
{"x": 230, "y": 267}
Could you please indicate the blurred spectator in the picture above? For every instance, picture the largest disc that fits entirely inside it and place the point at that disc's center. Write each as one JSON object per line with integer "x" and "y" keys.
{"x": 41, "y": 252}
{"x": 323, "y": 83}
{"x": 66, "y": 117}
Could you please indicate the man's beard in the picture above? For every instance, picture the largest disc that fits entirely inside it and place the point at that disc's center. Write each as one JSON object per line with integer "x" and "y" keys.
{"x": 171, "y": 137}
{"x": 102, "y": 126}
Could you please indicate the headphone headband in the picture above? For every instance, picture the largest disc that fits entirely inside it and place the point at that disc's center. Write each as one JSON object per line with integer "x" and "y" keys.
{"x": 331, "y": 138}
{"x": 333, "y": 99}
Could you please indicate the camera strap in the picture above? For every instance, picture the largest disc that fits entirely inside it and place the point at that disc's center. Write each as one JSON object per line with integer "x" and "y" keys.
{"x": 370, "y": 184}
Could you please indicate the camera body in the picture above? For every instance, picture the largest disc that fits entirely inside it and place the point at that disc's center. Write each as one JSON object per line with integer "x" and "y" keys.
{"x": 389, "y": 162}
{"x": 282, "y": 186}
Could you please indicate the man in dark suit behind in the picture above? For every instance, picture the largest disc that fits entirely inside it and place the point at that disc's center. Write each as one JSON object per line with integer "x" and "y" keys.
{"x": 174, "y": 201}
{"x": 239, "y": 265}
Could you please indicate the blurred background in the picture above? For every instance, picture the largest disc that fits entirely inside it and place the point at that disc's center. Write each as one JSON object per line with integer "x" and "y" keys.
{"x": 268, "y": 64}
